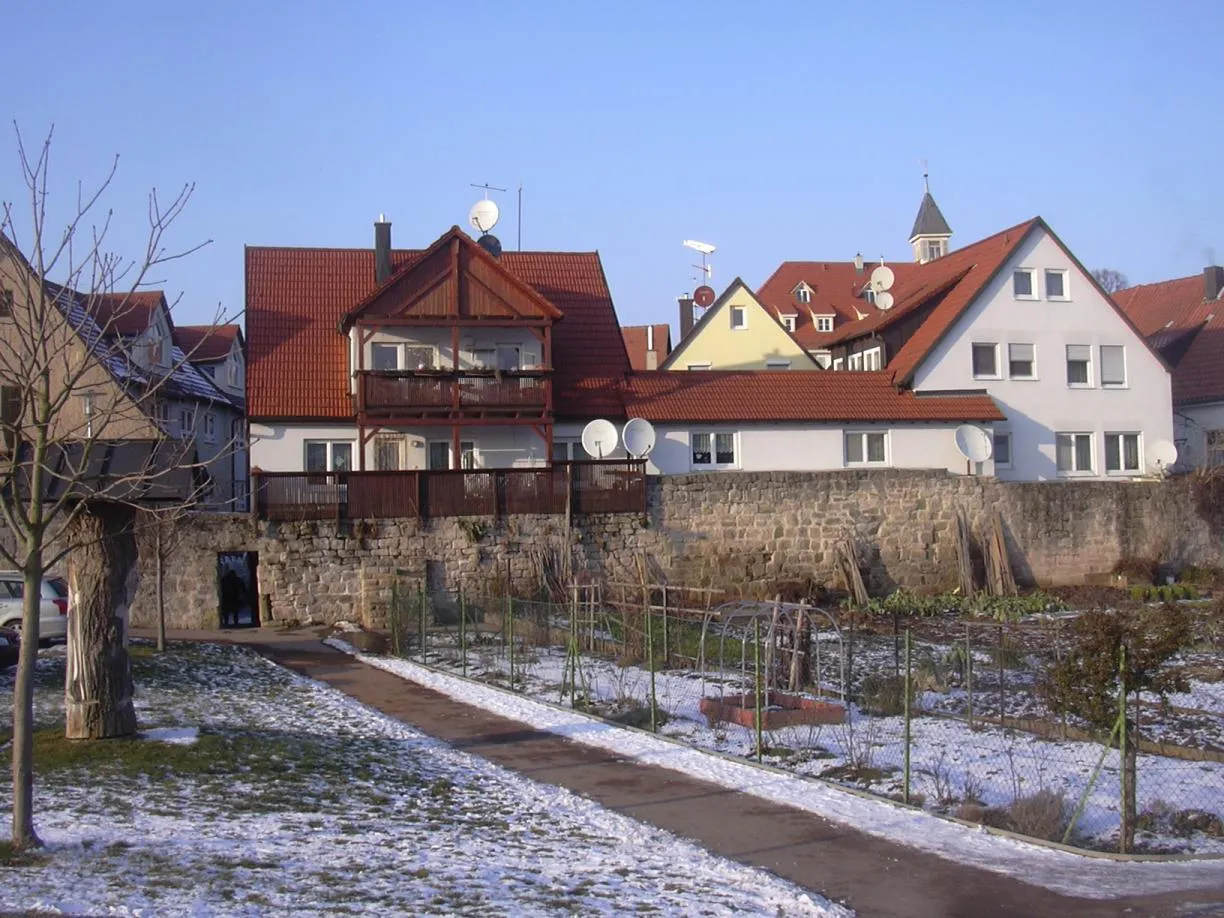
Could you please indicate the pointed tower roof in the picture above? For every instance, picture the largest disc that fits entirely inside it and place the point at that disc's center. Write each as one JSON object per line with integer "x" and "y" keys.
{"x": 929, "y": 222}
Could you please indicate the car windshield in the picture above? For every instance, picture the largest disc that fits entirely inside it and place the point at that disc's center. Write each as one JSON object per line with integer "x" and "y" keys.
{"x": 60, "y": 586}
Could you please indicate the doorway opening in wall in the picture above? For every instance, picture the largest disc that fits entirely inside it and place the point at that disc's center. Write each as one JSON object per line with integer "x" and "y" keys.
{"x": 237, "y": 589}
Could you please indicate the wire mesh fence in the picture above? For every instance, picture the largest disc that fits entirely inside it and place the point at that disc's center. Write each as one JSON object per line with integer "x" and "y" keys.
{"x": 953, "y": 716}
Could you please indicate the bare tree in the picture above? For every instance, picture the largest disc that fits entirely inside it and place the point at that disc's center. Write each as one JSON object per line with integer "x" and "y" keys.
{"x": 1112, "y": 281}
{"x": 83, "y": 444}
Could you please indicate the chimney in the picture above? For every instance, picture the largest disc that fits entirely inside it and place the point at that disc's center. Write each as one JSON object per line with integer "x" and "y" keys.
{"x": 686, "y": 315}
{"x": 652, "y": 356}
{"x": 382, "y": 250}
{"x": 858, "y": 263}
{"x": 1213, "y": 282}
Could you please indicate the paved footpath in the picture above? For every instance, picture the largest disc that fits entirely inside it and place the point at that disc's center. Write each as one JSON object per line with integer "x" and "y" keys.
{"x": 873, "y": 876}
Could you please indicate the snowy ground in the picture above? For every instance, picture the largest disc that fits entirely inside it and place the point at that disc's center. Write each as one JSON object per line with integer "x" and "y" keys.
{"x": 272, "y": 793}
{"x": 1057, "y": 870}
{"x": 951, "y": 762}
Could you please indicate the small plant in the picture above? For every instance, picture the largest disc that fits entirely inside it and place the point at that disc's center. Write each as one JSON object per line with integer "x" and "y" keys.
{"x": 883, "y": 696}
{"x": 1137, "y": 571}
{"x": 1165, "y": 592}
{"x": 475, "y": 529}
{"x": 1041, "y": 815}
{"x": 1201, "y": 577}
{"x": 939, "y": 779}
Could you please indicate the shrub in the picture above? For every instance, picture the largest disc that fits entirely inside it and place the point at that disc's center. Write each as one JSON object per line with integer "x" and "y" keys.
{"x": 883, "y": 696}
{"x": 1202, "y": 577}
{"x": 1137, "y": 570}
{"x": 984, "y": 815}
{"x": 1041, "y": 815}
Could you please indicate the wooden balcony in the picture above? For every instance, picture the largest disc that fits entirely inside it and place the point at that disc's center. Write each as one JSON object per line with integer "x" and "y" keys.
{"x": 463, "y": 395}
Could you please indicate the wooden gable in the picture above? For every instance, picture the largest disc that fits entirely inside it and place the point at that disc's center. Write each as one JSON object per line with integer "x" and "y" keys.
{"x": 454, "y": 281}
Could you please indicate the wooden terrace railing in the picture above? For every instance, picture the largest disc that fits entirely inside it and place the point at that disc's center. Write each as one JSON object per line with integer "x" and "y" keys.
{"x": 389, "y": 393}
{"x": 607, "y": 486}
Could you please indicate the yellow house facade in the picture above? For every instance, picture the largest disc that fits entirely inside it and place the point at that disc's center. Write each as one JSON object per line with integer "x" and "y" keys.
{"x": 738, "y": 333}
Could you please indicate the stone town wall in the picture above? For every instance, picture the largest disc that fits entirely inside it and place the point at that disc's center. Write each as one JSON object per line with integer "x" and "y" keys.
{"x": 742, "y": 532}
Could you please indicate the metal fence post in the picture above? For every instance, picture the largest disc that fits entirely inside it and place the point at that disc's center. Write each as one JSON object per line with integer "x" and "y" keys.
{"x": 654, "y": 716}
{"x": 510, "y": 633}
{"x": 756, "y": 627}
{"x": 1002, "y": 696}
{"x": 462, "y": 632}
{"x": 969, "y": 673}
{"x": 421, "y": 613}
{"x": 1127, "y": 824}
{"x": 908, "y": 670}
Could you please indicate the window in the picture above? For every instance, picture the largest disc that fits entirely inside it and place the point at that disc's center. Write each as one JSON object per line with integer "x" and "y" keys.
{"x": 210, "y": 427}
{"x": 803, "y": 293}
{"x": 788, "y": 322}
{"x": 1113, "y": 365}
{"x": 1023, "y": 284}
{"x": 153, "y": 352}
{"x": 6, "y": 303}
{"x": 699, "y": 366}
{"x": 1215, "y": 447}
{"x": 739, "y": 317}
{"x": 932, "y": 249}
{"x": 713, "y": 449}
{"x": 824, "y": 323}
{"x": 418, "y": 357}
{"x": 328, "y": 456}
{"x": 1021, "y": 361}
{"x": 384, "y": 357}
{"x": 1002, "y": 450}
{"x": 777, "y": 363}
{"x": 388, "y": 454}
{"x": 869, "y": 295}
{"x": 872, "y": 359}
{"x": 161, "y": 411}
{"x": 88, "y": 404}
{"x": 823, "y": 358}
{"x": 837, "y": 363}
{"x": 186, "y": 422}
{"x": 864, "y": 448}
{"x": 568, "y": 451}
{"x": 855, "y": 362}
{"x": 1055, "y": 284}
{"x": 1079, "y": 365}
{"x": 1073, "y": 452}
{"x": 1121, "y": 452}
{"x": 484, "y": 358}
{"x": 231, "y": 372}
{"x": 985, "y": 361}
{"x": 467, "y": 454}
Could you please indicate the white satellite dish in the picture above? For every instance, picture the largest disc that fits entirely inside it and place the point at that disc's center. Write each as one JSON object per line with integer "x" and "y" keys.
{"x": 639, "y": 437}
{"x": 599, "y": 438}
{"x": 974, "y": 443}
{"x": 882, "y": 278}
{"x": 483, "y": 215}
{"x": 884, "y": 300}
{"x": 1161, "y": 455}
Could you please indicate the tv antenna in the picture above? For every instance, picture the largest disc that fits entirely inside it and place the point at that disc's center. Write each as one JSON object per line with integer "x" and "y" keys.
{"x": 705, "y": 249}
{"x": 486, "y": 188}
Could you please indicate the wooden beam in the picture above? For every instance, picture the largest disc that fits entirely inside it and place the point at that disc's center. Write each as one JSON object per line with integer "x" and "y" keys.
{"x": 456, "y": 456}
{"x": 454, "y": 258}
{"x": 461, "y": 321}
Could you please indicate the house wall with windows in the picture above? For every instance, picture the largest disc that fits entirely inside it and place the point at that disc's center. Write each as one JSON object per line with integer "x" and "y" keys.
{"x": 808, "y": 447}
{"x": 1083, "y": 394}
{"x": 738, "y": 333}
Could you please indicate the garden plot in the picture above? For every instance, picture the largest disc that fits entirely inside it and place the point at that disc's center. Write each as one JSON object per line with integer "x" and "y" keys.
{"x": 980, "y": 772}
{"x": 261, "y": 791}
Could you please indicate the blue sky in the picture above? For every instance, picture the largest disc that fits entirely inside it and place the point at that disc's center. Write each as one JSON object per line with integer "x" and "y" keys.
{"x": 775, "y": 131}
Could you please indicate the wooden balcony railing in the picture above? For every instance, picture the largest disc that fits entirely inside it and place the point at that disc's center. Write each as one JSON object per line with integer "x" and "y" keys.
{"x": 390, "y": 393}
{"x": 608, "y": 486}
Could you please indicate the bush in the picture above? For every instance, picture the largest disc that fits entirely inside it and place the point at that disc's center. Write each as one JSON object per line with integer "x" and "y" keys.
{"x": 884, "y": 696}
{"x": 1202, "y": 577}
{"x": 1041, "y": 815}
{"x": 1137, "y": 570}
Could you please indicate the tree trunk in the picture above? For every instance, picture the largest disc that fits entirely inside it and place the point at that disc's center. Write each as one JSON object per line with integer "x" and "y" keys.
{"x": 23, "y": 711}
{"x": 161, "y": 589}
{"x": 102, "y": 576}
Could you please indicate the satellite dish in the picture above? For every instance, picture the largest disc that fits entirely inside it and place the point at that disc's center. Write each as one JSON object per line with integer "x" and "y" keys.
{"x": 639, "y": 437}
{"x": 884, "y": 300}
{"x": 1161, "y": 455}
{"x": 490, "y": 244}
{"x": 483, "y": 215}
{"x": 599, "y": 438}
{"x": 974, "y": 443}
{"x": 703, "y": 296}
{"x": 882, "y": 278}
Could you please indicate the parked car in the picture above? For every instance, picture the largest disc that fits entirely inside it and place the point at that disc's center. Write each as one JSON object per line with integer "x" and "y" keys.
{"x": 53, "y": 609}
{"x": 10, "y": 647}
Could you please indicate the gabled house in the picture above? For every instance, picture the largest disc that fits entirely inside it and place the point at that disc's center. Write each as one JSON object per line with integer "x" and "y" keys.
{"x": 217, "y": 351}
{"x": 738, "y": 332}
{"x": 647, "y": 345}
{"x": 1184, "y": 320}
{"x": 444, "y": 358}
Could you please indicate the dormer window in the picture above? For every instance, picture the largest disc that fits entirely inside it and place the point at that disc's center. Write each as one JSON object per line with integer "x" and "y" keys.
{"x": 869, "y": 295}
{"x": 803, "y": 294}
{"x": 788, "y": 322}
{"x": 824, "y": 323}
{"x": 932, "y": 249}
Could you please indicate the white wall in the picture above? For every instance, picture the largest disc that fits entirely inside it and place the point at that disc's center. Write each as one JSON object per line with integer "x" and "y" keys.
{"x": 1191, "y": 423}
{"x": 282, "y": 448}
{"x": 1036, "y": 409}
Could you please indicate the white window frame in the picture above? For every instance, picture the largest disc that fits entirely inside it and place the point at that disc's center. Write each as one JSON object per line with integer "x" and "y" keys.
{"x": 705, "y": 365}
{"x": 1088, "y": 384}
{"x": 855, "y": 361}
{"x": 1033, "y": 371}
{"x": 838, "y": 363}
{"x": 788, "y": 322}
{"x": 803, "y": 294}
{"x": 1075, "y": 436}
{"x": 1213, "y": 448}
{"x": 742, "y": 313}
{"x": 1006, "y": 437}
{"x": 873, "y": 359}
{"x": 824, "y": 323}
{"x": 330, "y": 454}
{"x": 994, "y": 347}
{"x": 714, "y": 435}
{"x": 210, "y": 427}
{"x": 862, "y": 436}
{"x": 777, "y": 363}
{"x": 932, "y": 249}
{"x": 187, "y": 417}
{"x": 398, "y": 443}
{"x": 1032, "y": 276}
{"x": 1065, "y": 296}
{"x": 1121, "y": 436}
{"x": 1101, "y": 357}
{"x": 869, "y": 295}
{"x": 574, "y": 451}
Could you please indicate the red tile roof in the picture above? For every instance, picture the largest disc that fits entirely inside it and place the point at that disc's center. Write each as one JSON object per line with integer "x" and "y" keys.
{"x": 1176, "y": 309}
{"x": 124, "y": 313}
{"x": 836, "y": 286}
{"x": 811, "y": 396}
{"x": 297, "y": 361}
{"x": 204, "y": 343}
{"x": 636, "y": 344}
